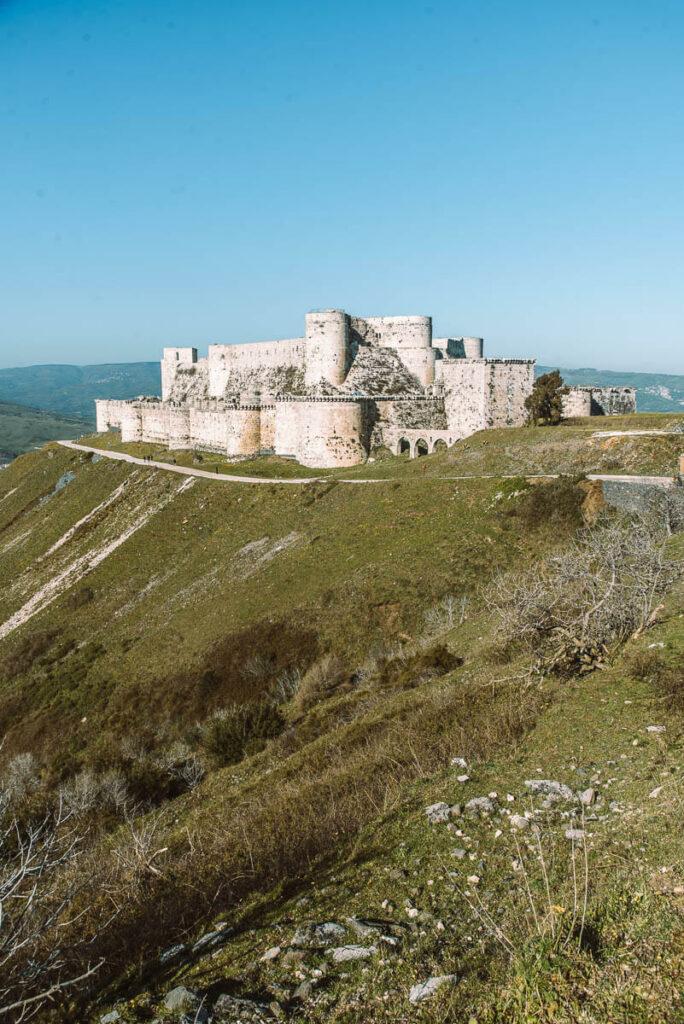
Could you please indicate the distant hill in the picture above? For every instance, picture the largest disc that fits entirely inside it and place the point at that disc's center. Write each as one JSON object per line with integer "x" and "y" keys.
{"x": 23, "y": 428}
{"x": 656, "y": 392}
{"x": 72, "y": 390}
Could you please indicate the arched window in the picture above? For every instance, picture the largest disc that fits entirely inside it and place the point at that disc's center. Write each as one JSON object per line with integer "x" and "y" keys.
{"x": 404, "y": 446}
{"x": 421, "y": 447}
{"x": 439, "y": 445}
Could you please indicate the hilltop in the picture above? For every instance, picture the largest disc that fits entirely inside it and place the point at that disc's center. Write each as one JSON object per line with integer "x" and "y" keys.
{"x": 250, "y": 694}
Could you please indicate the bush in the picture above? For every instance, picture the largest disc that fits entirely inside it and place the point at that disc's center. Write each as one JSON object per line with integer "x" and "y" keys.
{"x": 545, "y": 403}
{"x": 600, "y": 590}
{"x": 242, "y": 729}
{"x": 318, "y": 682}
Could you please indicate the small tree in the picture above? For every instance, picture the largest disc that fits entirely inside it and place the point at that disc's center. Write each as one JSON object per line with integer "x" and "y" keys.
{"x": 545, "y": 404}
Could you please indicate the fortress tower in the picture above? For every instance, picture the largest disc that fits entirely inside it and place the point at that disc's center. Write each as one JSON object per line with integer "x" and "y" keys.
{"x": 327, "y": 347}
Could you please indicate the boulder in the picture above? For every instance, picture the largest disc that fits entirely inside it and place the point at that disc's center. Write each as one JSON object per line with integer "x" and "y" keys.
{"x": 519, "y": 822}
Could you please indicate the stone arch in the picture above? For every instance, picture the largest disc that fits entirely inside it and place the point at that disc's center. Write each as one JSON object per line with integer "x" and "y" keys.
{"x": 404, "y": 446}
{"x": 422, "y": 447}
{"x": 440, "y": 445}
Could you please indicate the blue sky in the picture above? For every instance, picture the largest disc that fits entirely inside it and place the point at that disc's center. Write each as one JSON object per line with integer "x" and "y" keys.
{"x": 185, "y": 173}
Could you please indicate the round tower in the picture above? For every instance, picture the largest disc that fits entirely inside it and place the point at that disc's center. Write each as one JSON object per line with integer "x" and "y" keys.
{"x": 473, "y": 348}
{"x": 327, "y": 346}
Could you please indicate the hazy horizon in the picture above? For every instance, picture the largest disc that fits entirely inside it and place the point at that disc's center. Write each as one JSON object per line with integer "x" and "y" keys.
{"x": 188, "y": 175}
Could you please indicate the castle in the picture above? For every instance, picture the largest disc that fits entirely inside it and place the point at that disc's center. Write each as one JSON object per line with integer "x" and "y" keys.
{"x": 348, "y": 386}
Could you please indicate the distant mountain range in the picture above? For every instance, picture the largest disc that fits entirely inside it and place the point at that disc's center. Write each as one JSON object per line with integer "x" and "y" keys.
{"x": 71, "y": 390}
{"x": 23, "y": 428}
{"x": 656, "y": 392}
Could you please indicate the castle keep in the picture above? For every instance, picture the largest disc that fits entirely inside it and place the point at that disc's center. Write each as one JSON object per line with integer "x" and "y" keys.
{"x": 349, "y": 385}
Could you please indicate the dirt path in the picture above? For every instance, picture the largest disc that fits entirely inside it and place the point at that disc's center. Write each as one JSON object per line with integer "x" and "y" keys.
{"x": 230, "y": 478}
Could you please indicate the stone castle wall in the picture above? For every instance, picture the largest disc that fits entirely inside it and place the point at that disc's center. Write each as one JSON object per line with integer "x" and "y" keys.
{"x": 328, "y": 398}
{"x": 599, "y": 401}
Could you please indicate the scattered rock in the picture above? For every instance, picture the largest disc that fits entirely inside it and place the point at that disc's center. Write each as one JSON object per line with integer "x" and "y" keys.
{"x": 576, "y": 834}
{"x": 172, "y": 953}
{"x": 341, "y": 954}
{"x": 480, "y": 805}
{"x": 324, "y": 934}
{"x": 427, "y": 989}
{"x": 519, "y": 822}
{"x": 212, "y": 939}
{"x": 271, "y": 954}
{"x": 235, "y": 1010}
{"x": 181, "y": 998}
{"x": 463, "y": 778}
{"x": 473, "y": 879}
{"x": 655, "y": 728}
{"x": 587, "y": 797}
{"x": 655, "y": 793}
{"x": 459, "y": 762}
{"x": 110, "y": 1018}
{"x": 549, "y": 787}
{"x": 459, "y": 853}
{"x": 437, "y": 813}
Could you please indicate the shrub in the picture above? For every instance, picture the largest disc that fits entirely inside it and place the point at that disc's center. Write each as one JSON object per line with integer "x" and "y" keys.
{"x": 241, "y": 729}
{"x": 21, "y": 779}
{"x": 647, "y": 664}
{"x": 318, "y": 682}
{"x": 545, "y": 403}
{"x": 601, "y": 589}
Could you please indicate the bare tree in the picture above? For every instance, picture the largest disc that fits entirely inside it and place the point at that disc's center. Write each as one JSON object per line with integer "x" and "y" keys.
{"x": 36, "y": 890}
{"x": 604, "y": 587}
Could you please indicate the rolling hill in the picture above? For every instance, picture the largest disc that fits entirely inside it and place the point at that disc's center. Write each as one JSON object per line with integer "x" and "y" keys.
{"x": 23, "y": 428}
{"x": 656, "y": 392}
{"x": 72, "y": 390}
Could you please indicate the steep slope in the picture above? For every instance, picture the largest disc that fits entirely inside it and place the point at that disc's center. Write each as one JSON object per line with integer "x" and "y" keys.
{"x": 247, "y": 696}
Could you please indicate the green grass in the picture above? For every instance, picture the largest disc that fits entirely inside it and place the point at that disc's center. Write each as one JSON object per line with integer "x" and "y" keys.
{"x": 326, "y": 819}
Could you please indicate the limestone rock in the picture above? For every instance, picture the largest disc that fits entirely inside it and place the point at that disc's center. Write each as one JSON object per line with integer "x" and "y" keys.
{"x": 181, "y": 998}
{"x": 437, "y": 813}
{"x": 427, "y": 989}
{"x": 480, "y": 806}
{"x": 324, "y": 934}
{"x": 519, "y": 822}
{"x": 342, "y": 954}
{"x": 549, "y": 787}
{"x": 236, "y": 1010}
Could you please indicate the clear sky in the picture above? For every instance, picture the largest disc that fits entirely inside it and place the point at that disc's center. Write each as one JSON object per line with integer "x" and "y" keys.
{"x": 177, "y": 172}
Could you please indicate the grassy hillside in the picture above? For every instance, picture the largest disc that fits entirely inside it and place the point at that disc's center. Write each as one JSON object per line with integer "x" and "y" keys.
{"x": 72, "y": 390}
{"x": 656, "y": 392}
{"x": 249, "y": 694}
{"x": 22, "y": 428}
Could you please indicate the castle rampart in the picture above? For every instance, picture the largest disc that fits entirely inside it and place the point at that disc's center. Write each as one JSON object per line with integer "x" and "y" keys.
{"x": 349, "y": 385}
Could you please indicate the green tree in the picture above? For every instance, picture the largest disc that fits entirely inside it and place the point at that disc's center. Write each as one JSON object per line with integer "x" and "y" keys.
{"x": 545, "y": 403}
